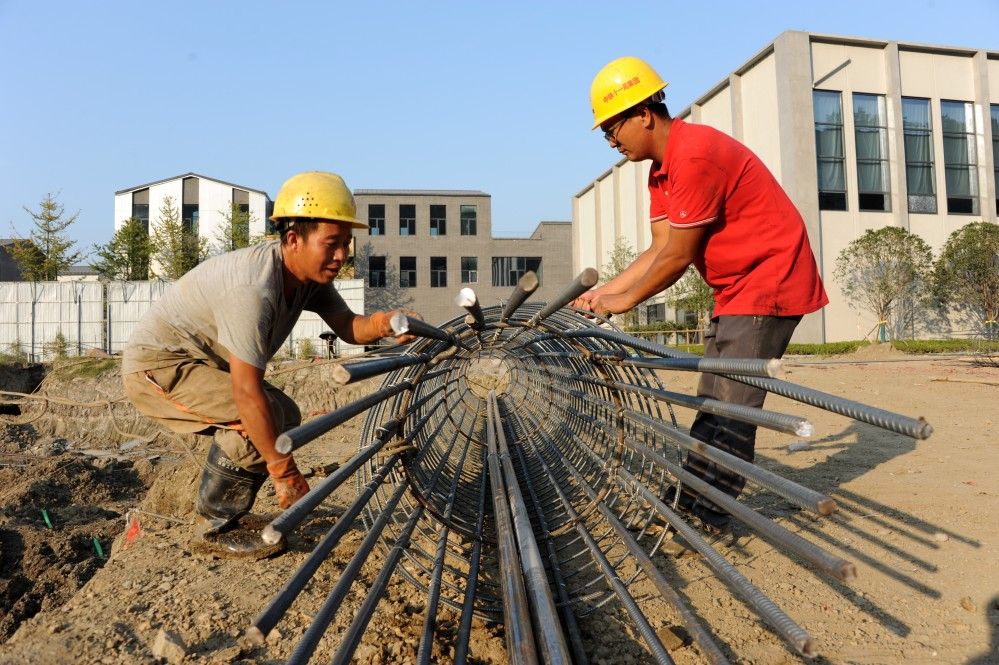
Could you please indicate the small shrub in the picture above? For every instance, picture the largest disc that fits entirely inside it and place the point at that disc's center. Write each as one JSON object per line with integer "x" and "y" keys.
{"x": 306, "y": 349}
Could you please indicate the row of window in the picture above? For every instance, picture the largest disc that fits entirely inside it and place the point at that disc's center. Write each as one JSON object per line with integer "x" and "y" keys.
{"x": 190, "y": 210}
{"x": 468, "y": 219}
{"x": 506, "y": 270}
{"x": 871, "y": 147}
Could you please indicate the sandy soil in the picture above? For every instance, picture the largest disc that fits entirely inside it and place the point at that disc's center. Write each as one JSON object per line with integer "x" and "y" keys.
{"x": 917, "y": 518}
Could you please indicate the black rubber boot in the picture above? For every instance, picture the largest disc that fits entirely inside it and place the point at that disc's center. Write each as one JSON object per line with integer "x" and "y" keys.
{"x": 227, "y": 491}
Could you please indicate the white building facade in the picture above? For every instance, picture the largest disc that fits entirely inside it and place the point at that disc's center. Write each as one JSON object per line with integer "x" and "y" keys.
{"x": 861, "y": 133}
{"x": 203, "y": 204}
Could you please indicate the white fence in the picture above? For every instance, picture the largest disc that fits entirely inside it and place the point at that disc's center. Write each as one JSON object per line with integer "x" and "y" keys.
{"x": 92, "y": 315}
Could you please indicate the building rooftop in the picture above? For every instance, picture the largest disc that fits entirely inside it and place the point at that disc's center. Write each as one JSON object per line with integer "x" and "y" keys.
{"x": 190, "y": 174}
{"x": 419, "y": 192}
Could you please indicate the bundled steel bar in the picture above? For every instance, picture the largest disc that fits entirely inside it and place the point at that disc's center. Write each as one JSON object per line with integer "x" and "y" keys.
{"x": 520, "y": 643}
{"x": 551, "y": 641}
{"x": 513, "y": 466}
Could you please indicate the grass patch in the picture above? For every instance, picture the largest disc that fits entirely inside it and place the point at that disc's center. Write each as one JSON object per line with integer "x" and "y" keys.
{"x": 81, "y": 367}
{"x": 945, "y": 345}
{"x": 828, "y": 349}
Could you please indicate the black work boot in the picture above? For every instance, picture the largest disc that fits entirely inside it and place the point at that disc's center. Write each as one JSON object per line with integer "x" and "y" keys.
{"x": 227, "y": 490}
{"x": 225, "y": 497}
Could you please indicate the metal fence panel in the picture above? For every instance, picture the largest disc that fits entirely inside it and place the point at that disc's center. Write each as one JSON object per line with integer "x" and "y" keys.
{"x": 34, "y": 314}
{"x": 91, "y": 315}
{"x": 127, "y": 303}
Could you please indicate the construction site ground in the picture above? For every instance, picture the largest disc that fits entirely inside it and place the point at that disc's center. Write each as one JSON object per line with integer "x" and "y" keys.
{"x": 919, "y": 519}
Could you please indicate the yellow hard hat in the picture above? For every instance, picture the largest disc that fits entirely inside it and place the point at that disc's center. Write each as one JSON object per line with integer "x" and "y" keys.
{"x": 621, "y": 84}
{"x": 316, "y": 195}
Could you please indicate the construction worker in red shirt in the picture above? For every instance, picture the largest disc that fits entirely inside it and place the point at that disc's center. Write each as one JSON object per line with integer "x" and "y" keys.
{"x": 714, "y": 204}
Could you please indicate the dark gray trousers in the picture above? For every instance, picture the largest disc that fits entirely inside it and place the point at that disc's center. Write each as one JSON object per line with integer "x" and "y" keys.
{"x": 734, "y": 337}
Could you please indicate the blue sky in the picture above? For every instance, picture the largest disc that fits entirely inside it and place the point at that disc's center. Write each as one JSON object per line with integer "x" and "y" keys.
{"x": 99, "y": 96}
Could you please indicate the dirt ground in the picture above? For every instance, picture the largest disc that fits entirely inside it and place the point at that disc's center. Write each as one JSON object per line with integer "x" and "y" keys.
{"x": 917, "y": 518}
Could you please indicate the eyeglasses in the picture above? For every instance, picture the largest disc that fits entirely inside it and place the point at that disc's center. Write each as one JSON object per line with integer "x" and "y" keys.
{"x": 610, "y": 134}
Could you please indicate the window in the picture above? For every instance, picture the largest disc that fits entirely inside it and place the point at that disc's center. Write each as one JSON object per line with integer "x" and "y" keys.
{"x": 376, "y": 271}
{"x": 407, "y": 220}
{"x": 438, "y": 220}
{"x": 995, "y": 150}
{"x": 140, "y": 207}
{"x": 918, "y": 154}
{"x": 468, "y": 217}
{"x": 189, "y": 209}
{"x": 507, "y": 270}
{"x": 655, "y": 313}
{"x": 960, "y": 157}
{"x": 376, "y": 219}
{"x": 407, "y": 272}
{"x": 241, "y": 199}
{"x": 438, "y": 271}
{"x": 829, "y": 149}
{"x": 469, "y": 269}
{"x": 871, "y": 131}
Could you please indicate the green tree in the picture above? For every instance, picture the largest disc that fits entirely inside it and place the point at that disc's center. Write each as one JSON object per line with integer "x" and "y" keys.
{"x": 234, "y": 233}
{"x": 966, "y": 276}
{"x": 126, "y": 256}
{"x": 621, "y": 256}
{"x": 886, "y": 272}
{"x": 48, "y": 250}
{"x": 176, "y": 247}
{"x": 691, "y": 293}
{"x": 390, "y": 296}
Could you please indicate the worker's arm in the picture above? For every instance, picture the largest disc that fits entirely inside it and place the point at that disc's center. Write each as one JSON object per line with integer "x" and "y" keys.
{"x": 258, "y": 423}
{"x": 627, "y": 278}
{"x": 359, "y": 329}
{"x": 666, "y": 268}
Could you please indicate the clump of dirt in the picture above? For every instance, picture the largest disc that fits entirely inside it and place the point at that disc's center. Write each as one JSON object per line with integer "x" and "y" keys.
{"x": 59, "y": 515}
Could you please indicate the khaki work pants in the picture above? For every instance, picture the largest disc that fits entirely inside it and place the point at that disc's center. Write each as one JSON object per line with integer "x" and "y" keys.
{"x": 192, "y": 397}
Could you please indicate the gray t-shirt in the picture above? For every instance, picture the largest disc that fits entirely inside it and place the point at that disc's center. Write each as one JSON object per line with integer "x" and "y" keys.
{"x": 230, "y": 304}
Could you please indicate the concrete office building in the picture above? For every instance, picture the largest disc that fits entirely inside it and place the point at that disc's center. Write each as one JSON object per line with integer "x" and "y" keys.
{"x": 430, "y": 244}
{"x": 201, "y": 201}
{"x": 861, "y": 133}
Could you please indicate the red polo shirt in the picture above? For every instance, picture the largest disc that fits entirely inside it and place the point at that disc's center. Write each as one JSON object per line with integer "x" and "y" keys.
{"x": 756, "y": 254}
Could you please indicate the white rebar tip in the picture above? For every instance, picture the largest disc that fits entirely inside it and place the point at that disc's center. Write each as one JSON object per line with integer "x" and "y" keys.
{"x": 805, "y": 429}
{"x": 465, "y": 298}
{"x": 399, "y": 323}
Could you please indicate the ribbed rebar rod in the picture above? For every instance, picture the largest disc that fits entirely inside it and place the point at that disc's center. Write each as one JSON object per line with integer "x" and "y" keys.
{"x": 551, "y": 641}
{"x": 402, "y": 324}
{"x": 583, "y": 283}
{"x": 321, "y": 621}
{"x": 767, "y": 608}
{"x": 433, "y": 593}
{"x": 295, "y": 438}
{"x": 690, "y": 621}
{"x": 802, "y": 497}
{"x": 526, "y": 285}
{"x": 610, "y": 576}
{"x": 779, "y": 422}
{"x": 769, "y": 367}
{"x": 564, "y": 602}
{"x": 286, "y": 522}
{"x": 468, "y": 606}
{"x": 344, "y": 374}
{"x": 520, "y": 644}
{"x": 916, "y": 428}
{"x": 466, "y": 298}
{"x": 345, "y": 652}
{"x": 265, "y": 622}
